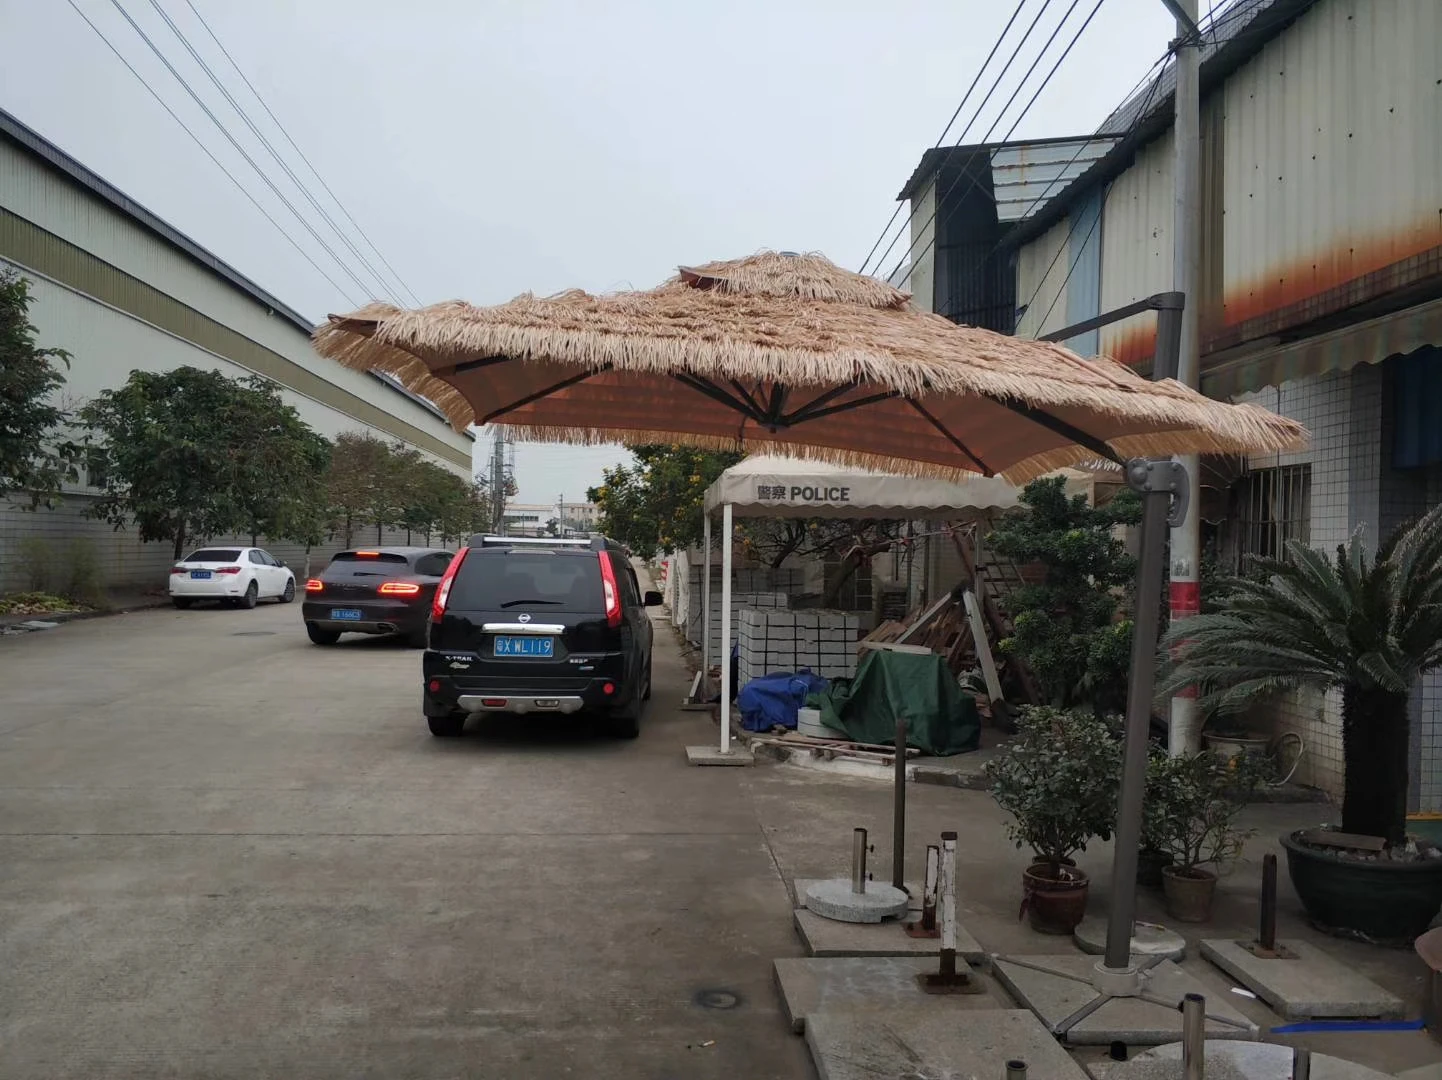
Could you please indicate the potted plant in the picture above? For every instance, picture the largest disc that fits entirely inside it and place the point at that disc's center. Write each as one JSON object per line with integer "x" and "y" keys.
{"x": 1192, "y": 802}
{"x": 1058, "y": 777}
{"x": 1368, "y": 627}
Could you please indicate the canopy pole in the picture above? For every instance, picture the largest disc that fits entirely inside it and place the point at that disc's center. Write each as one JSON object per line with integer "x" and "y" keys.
{"x": 726, "y": 545}
{"x": 706, "y": 612}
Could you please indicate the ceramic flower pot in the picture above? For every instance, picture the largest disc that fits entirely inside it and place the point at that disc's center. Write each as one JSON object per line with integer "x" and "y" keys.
{"x": 1054, "y": 898}
{"x": 1189, "y": 893}
{"x": 1379, "y": 900}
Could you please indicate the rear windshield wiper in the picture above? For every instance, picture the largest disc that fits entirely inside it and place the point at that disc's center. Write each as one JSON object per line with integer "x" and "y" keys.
{"x": 517, "y": 603}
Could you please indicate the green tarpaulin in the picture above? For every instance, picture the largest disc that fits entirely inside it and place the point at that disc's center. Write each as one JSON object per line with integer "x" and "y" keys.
{"x": 940, "y": 719}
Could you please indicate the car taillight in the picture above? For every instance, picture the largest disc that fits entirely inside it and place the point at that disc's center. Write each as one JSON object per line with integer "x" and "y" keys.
{"x": 228, "y": 570}
{"x": 314, "y": 585}
{"x": 399, "y": 588}
{"x": 367, "y": 554}
{"x": 613, "y": 591}
{"x": 443, "y": 590}
{"x": 178, "y": 570}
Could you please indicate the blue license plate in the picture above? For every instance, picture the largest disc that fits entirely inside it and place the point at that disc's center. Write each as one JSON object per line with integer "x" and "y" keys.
{"x": 200, "y": 574}
{"x": 346, "y": 614}
{"x": 541, "y": 648}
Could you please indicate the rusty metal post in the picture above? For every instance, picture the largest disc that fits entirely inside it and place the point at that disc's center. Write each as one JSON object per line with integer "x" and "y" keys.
{"x": 898, "y": 818}
{"x": 1301, "y": 1063}
{"x": 926, "y": 926}
{"x": 858, "y": 860}
{"x": 948, "y": 979}
{"x": 1267, "y": 934}
{"x": 1194, "y": 1034}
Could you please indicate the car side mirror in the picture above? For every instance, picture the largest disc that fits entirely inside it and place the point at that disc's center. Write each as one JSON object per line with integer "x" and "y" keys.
{"x": 653, "y": 599}
{"x": 280, "y": 563}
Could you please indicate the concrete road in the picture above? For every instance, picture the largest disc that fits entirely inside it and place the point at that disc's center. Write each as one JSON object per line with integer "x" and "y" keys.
{"x": 225, "y": 852}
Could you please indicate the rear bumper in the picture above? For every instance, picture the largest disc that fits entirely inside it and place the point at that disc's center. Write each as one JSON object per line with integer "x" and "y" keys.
{"x": 442, "y": 697}
{"x": 520, "y": 704}
{"x": 216, "y": 587}
{"x": 376, "y": 618}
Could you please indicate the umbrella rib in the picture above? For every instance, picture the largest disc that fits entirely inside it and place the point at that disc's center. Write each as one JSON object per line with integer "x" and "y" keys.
{"x": 806, "y": 413}
{"x": 986, "y": 470}
{"x": 715, "y": 393}
{"x": 820, "y": 399}
{"x": 1060, "y": 427}
{"x": 470, "y": 365}
{"x": 745, "y": 395}
{"x": 539, "y": 394}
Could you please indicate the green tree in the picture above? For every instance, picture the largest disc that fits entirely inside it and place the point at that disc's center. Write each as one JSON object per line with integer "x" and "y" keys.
{"x": 655, "y": 504}
{"x": 465, "y": 509}
{"x": 1369, "y": 627}
{"x": 1067, "y": 628}
{"x": 181, "y": 456}
{"x": 34, "y": 458}
{"x": 279, "y": 469}
{"x": 355, "y": 481}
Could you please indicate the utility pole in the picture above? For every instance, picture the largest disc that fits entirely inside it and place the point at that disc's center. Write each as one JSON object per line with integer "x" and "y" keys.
{"x": 1185, "y": 590}
{"x": 498, "y": 484}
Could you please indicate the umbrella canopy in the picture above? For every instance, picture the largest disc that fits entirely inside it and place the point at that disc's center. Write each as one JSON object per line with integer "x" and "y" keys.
{"x": 795, "y": 356}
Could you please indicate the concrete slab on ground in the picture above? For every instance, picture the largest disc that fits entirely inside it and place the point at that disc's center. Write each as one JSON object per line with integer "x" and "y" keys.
{"x": 812, "y": 985}
{"x": 1058, "y": 989}
{"x": 712, "y": 755}
{"x": 1230, "y": 1060}
{"x": 1148, "y": 939}
{"x": 827, "y": 937}
{"x": 1311, "y": 986}
{"x": 874, "y": 1043}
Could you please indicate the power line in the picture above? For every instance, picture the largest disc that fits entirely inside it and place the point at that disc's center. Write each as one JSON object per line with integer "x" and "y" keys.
{"x": 1136, "y": 121}
{"x": 1015, "y": 124}
{"x": 946, "y": 130}
{"x": 205, "y": 67}
{"x": 314, "y": 171}
{"x": 218, "y": 164}
{"x": 995, "y": 85}
{"x": 239, "y": 149}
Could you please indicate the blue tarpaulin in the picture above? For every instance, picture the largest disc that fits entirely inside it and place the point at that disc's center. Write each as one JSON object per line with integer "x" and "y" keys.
{"x": 773, "y": 700}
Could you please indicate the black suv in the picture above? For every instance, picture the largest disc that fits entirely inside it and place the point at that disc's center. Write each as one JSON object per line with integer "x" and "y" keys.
{"x": 524, "y": 625}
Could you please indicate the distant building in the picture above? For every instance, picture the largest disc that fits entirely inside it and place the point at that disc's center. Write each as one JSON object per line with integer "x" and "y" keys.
{"x": 122, "y": 290}
{"x": 536, "y": 519}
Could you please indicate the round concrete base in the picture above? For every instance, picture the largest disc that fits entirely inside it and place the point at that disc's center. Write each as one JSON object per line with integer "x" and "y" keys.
{"x": 1148, "y": 939}
{"x": 835, "y": 900}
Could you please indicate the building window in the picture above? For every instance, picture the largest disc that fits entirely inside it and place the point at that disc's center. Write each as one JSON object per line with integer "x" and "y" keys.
{"x": 97, "y": 467}
{"x": 1272, "y": 506}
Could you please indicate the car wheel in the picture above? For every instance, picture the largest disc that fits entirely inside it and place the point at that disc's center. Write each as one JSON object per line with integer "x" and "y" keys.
{"x": 447, "y": 727}
{"x": 182, "y": 602}
{"x": 252, "y": 592}
{"x": 626, "y": 723}
{"x": 319, "y": 636}
{"x": 289, "y": 594}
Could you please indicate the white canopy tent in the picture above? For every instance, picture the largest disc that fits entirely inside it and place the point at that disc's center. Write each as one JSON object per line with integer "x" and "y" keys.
{"x": 785, "y": 487}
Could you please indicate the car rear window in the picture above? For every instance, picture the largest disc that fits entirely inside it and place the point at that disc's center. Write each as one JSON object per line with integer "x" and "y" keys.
{"x": 213, "y": 555}
{"x": 369, "y": 557}
{"x": 515, "y": 581}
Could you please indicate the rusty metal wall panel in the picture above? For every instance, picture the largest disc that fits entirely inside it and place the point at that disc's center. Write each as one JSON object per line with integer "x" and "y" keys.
{"x": 1333, "y": 166}
{"x": 1137, "y": 248}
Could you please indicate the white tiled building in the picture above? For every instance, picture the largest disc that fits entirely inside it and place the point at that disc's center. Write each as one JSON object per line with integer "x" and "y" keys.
{"x": 1321, "y": 277}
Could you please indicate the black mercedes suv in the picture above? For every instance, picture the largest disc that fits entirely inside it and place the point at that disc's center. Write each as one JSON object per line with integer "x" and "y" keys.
{"x": 522, "y": 625}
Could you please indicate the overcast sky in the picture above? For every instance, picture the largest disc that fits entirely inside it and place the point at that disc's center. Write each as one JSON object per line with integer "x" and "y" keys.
{"x": 492, "y": 147}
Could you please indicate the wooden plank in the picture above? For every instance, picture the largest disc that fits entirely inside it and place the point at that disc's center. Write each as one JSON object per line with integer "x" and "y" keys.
{"x": 983, "y": 647}
{"x": 1333, "y": 839}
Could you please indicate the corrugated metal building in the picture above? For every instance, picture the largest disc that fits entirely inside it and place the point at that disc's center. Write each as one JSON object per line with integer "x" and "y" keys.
{"x": 1321, "y": 291}
{"x": 122, "y": 290}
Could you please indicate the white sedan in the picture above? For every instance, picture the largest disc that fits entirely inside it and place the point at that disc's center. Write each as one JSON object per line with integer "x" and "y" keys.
{"x": 235, "y": 576}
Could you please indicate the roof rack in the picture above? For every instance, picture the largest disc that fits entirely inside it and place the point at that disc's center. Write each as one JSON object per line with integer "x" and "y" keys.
{"x": 594, "y": 543}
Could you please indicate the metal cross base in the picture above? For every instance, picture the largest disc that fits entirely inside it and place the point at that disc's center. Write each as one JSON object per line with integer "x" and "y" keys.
{"x": 1108, "y": 985}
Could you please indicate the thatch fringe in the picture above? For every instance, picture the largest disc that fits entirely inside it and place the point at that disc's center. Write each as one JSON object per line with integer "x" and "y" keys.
{"x": 777, "y": 318}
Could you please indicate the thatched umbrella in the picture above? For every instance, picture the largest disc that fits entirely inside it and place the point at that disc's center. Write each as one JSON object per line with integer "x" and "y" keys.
{"x": 793, "y": 355}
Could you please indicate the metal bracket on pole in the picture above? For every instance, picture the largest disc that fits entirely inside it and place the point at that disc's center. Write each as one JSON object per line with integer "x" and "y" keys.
{"x": 951, "y": 978}
{"x": 925, "y": 927}
{"x": 1149, "y": 476}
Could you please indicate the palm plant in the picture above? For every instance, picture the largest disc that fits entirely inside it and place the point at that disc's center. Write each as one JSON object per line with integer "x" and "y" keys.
{"x": 1368, "y": 627}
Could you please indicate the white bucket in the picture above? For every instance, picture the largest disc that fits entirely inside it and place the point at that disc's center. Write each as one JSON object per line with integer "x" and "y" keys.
{"x": 808, "y": 722}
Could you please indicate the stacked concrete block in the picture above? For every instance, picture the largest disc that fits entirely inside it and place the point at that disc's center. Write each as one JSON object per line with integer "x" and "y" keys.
{"x": 783, "y": 641}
